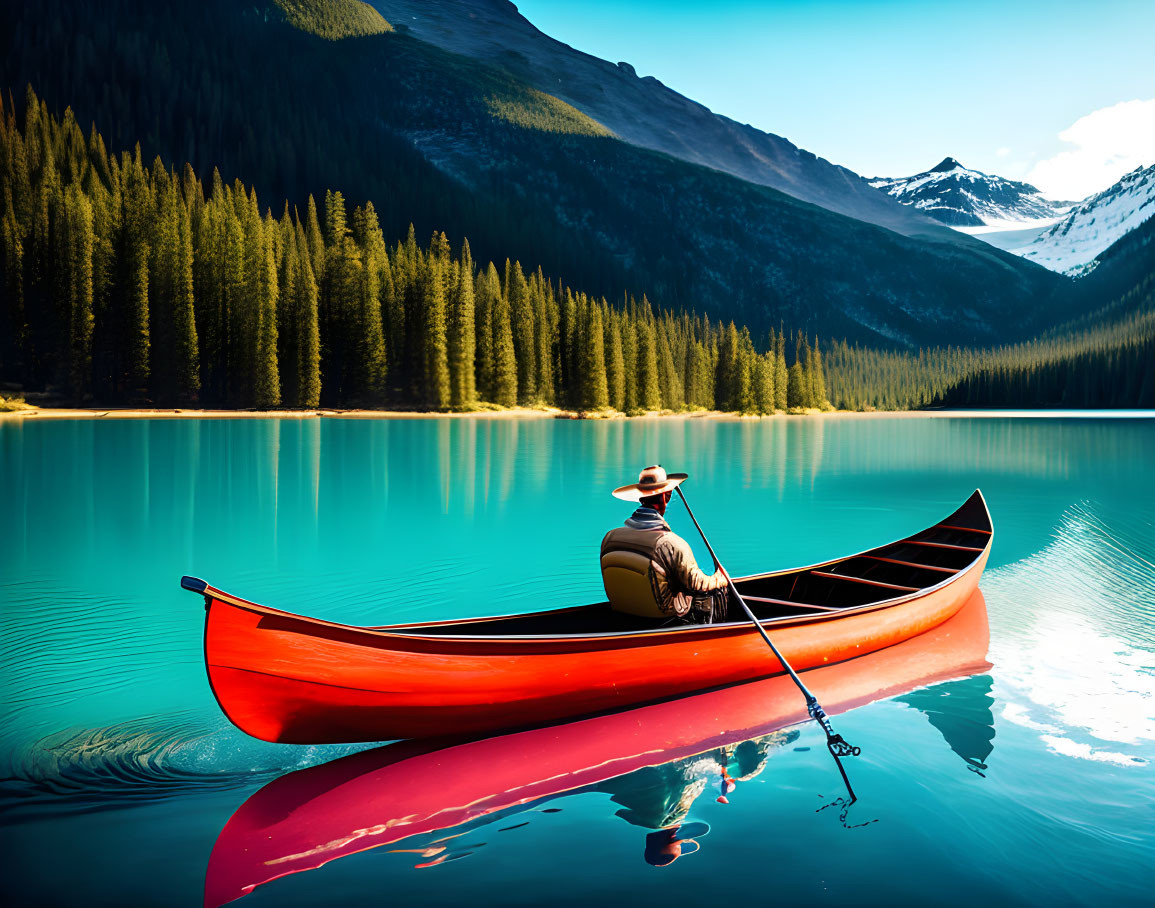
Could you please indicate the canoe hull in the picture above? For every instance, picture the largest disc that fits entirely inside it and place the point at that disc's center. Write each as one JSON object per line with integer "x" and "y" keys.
{"x": 308, "y": 818}
{"x": 284, "y": 678}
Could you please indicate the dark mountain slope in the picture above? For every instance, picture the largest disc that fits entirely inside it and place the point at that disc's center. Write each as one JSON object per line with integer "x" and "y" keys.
{"x": 444, "y": 141}
{"x": 644, "y": 112}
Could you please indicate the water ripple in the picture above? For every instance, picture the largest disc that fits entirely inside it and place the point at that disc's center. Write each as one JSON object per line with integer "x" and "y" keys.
{"x": 145, "y": 759}
{"x": 1074, "y": 636}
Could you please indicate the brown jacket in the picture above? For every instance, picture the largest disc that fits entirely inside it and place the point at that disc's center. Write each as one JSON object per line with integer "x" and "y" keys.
{"x": 684, "y": 582}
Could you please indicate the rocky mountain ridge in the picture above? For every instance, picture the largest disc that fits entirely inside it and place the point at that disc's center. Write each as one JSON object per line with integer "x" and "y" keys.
{"x": 961, "y": 197}
{"x": 644, "y": 112}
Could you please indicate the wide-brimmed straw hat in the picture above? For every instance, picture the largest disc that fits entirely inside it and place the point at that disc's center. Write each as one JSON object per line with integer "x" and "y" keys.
{"x": 651, "y": 481}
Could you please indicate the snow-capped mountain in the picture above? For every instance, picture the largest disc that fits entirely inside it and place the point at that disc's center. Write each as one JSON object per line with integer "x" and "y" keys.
{"x": 954, "y": 195}
{"x": 1073, "y": 244}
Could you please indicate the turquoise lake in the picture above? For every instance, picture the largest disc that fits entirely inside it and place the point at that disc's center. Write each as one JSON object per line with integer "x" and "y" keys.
{"x": 1030, "y": 782}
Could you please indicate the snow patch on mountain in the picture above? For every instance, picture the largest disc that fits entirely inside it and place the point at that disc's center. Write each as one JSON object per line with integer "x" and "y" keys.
{"x": 1073, "y": 244}
{"x": 960, "y": 197}
{"x": 1010, "y": 235}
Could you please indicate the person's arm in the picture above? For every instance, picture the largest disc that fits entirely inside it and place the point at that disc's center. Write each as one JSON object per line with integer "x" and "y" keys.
{"x": 678, "y": 560}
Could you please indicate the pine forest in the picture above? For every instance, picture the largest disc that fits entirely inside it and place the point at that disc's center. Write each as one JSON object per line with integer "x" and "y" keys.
{"x": 128, "y": 282}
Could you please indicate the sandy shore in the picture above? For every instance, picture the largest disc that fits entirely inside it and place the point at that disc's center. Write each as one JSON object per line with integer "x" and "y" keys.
{"x": 39, "y": 413}
{"x": 168, "y": 413}
{"x": 34, "y": 412}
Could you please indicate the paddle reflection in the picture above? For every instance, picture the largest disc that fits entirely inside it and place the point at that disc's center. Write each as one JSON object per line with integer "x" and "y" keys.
{"x": 654, "y": 762}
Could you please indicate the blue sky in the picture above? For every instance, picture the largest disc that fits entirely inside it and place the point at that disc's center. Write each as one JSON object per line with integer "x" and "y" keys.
{"x": 890, "y": 87}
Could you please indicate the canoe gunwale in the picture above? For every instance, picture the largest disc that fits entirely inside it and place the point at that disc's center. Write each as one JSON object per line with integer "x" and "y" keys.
{"x": 396, "y": 631}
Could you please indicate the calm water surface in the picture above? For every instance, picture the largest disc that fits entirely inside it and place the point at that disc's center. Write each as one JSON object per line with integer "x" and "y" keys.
{"x": 1030, "y": 782}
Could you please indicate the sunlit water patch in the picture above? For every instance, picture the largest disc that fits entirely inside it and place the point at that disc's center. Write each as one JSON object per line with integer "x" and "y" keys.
{"x": 1075, "y": 642}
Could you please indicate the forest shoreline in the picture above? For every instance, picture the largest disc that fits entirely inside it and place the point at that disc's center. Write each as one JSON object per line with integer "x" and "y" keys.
{"x": 41, "y": 413}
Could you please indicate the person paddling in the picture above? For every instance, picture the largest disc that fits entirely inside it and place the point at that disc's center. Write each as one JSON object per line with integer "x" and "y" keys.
{"x": 648, "y": 569}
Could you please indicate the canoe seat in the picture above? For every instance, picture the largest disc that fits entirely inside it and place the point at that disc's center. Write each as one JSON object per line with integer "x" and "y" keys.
{"x": 629, "y": 580}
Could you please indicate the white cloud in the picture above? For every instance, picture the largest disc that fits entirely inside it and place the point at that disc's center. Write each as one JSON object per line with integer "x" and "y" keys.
{"x": 1002, "y": 152}
{"x": 1068, "y": 748}
{"x": 1109, "y": 142}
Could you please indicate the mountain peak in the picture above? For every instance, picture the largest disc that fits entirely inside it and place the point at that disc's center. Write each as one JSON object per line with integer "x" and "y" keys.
{"x": 945, "y": 165}
{"x": 953, "y": 195}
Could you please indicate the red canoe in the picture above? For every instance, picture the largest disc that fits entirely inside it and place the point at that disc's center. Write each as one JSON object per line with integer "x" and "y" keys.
{"x": 308, "y": 818}
{"x": 286, "y": 678}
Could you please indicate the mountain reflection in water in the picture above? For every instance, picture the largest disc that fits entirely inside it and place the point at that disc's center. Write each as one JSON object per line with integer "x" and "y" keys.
{"x": 962, "y": 712}
{"x": 654, "y": 762}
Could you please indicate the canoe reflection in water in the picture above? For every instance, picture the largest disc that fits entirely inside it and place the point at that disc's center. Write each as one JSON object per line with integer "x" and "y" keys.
{"x": 654, "y": 761}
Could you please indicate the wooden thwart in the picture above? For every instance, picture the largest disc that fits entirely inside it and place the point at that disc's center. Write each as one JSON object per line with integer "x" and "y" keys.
{"x": 943, "y": 545}
{"x": 888, "y": 586}
{"x": 947, "y": 526}
{"x": 914, "y": 564}
{"x": 819, "y": 608}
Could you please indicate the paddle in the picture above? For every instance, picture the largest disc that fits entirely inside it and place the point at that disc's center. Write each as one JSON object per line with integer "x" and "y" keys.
{"x": 835, "y": 743}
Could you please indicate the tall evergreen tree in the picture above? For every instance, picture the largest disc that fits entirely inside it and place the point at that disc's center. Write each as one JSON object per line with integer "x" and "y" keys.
{"x": 314, "y": 239}
{"x": 629, "y": 337}
{"x": 796, "y": 385}
{"x": 805, "y": 383}
{"x": 781, "y": 378}
{"x": 595, "y": 391}
{"x": 516, "y": 292}
{"x": 163, "y": 231}
{"x": 569, "y": 344}
{"x": 436, "y": 279}
{"x": 462, "y": 338}
{"x": 308, "y": 365}
{"x": 615, "y": 361}
{"x": 134, "y": 279}
{"x": 817, "y": 377}
{"x": 341, "y": 306}
{"x": 235, "y": 261}
{"x": 369, "y": 360}
{"x": 266, "y": 376}
{"x": 744, "y": 400}
{"x": 392, "y": 314}
{"x": 288, "y": 320}
{"x": 12, "y": 339}
{"x": 186, "y": 347}
{"x": 78, "y": 242}
{"x": 545, "y": 317}
{"x": 484, "y": 297}
{"x": 649, "y": 392}
{"x": 505, "y": 390}
{"x": 727, "y": 381}
{"x": 408, "y": 271}
{"x": 764, "y": 384}
{"x": 670, "y": 385}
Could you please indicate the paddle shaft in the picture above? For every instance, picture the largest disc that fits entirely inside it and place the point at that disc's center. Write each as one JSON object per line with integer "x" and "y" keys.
{"x": 813, "y": 707}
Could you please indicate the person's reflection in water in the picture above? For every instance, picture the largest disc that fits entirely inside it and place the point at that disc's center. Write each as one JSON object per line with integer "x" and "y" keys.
{"x": 667, "y": 845}
{"x": 660, "y": 797}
